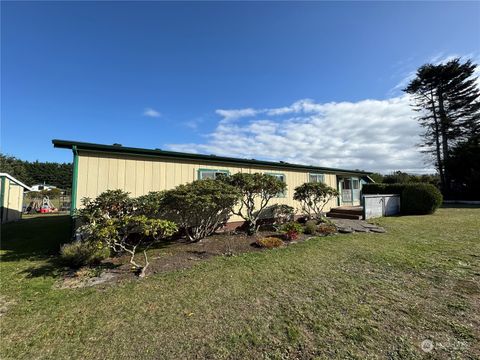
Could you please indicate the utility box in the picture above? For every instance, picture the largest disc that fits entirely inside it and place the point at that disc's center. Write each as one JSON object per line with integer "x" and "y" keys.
{"x": 380, "y": 205}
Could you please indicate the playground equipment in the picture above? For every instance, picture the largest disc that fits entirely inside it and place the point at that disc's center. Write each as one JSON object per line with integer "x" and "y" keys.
{"x": 41, "y": 206}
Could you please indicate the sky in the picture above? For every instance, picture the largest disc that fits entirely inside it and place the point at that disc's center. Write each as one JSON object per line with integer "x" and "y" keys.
{"x": 317, "y": 83}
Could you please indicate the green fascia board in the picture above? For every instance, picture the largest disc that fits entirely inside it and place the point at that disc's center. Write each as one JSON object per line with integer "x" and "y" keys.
{"x": 84, "y": 146}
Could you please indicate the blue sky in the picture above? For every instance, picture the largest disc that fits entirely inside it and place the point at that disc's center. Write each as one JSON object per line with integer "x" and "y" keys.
{"x": 158, "y": 75}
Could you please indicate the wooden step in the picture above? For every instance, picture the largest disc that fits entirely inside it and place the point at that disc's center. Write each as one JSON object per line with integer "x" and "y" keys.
{"x": 340, "y": 215}
{"x": 347, "y": 211}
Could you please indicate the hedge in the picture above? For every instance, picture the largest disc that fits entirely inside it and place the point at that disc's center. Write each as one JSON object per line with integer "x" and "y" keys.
{"x": 415, "y": 198}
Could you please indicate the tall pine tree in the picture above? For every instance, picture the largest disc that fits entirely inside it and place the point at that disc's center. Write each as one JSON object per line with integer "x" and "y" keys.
{"x": 447, "y": 99}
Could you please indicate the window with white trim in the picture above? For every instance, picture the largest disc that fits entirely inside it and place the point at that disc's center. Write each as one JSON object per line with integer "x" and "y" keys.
{"x": 315, "y": 178}
{"x": 210, "y": 173}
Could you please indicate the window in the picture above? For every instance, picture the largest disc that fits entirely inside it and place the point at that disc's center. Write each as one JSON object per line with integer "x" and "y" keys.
{"x": 210, "y": 173}
{"x": 280, "y": 177}
{"x": 315, "y": 178}
{"x": 355, "y": 184}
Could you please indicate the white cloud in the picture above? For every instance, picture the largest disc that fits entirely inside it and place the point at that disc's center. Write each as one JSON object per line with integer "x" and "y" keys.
{"x": 375, "y": 135}
{"x": 151, "y": 113}
{"x": 236, "y": 114}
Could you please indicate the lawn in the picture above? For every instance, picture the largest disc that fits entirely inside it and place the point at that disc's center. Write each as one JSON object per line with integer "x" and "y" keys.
{"x": 343, "y": 296}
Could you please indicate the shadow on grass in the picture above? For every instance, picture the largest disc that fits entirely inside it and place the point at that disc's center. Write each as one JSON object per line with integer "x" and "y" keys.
{"x": 34, "y": 239}
{"x": 40, "y": 239}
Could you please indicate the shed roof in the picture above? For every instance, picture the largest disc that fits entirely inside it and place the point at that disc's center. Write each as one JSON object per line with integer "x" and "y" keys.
{"x": 117, "y": 148}
{"x": 18, "y": 182}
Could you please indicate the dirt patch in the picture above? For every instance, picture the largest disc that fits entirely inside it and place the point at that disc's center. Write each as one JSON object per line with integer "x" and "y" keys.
{"x": 182, "y": 254}
{"x": 87, "y": 277}
{"x": 5, "y": 304}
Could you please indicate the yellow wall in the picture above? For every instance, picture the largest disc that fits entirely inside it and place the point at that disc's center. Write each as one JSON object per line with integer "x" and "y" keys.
{"x": 138, "y": 175}
{"x": 12, "y": 201}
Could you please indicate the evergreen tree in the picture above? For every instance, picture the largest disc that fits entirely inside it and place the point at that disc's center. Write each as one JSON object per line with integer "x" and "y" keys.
{"x": 447, "y": 99}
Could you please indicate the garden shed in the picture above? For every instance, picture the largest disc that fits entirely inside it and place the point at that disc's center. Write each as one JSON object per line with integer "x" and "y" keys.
{"x": 98, "y": 168}
{"x": 11, "y": 198}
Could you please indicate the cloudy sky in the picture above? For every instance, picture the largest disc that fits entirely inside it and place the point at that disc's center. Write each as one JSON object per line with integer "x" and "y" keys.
{"x": 308, "y": 82}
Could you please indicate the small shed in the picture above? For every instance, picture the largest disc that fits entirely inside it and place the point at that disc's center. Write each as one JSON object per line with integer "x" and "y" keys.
{"x": 11, "y": 198}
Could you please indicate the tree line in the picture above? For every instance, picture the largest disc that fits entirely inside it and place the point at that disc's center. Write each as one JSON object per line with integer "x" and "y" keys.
{"x": 30, "y": 173}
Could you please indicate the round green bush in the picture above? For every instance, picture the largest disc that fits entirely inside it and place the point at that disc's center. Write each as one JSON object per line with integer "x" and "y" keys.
{"x": 420, "y": 199}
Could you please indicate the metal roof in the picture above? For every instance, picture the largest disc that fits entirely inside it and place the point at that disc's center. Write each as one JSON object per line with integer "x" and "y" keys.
{"x": 117, "y": 148}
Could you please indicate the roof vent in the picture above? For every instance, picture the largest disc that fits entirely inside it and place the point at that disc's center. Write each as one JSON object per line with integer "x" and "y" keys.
{"x": 117, "y": 144}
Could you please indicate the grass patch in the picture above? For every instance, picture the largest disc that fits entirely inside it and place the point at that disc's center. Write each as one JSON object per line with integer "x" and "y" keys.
{"x": 343, "y": 296}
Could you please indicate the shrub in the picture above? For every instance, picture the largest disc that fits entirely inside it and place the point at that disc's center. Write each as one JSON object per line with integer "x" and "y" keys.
{"x": 201, "y": 207}
{"x": 109, "y": 204}
{"x": 327, "y": 229}
{"x": 126, "y": 234}
{"x": 415, "y": 198}
{"x": 310, "y": 227}
{"x": 313, "y": 198}
{"x": 79, "y": 253}
{"x": 281, "y": 214}
{"x": 292, "y": 230}
{"x": 150, "y": 205}
{"x": 421, "y": 199}
{"x": 256, "y": 192}
{"x": 269, "y": 242}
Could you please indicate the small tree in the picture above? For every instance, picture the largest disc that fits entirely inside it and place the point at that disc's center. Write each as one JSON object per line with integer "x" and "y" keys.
{"x": 257, "y": 190}
{"x": 201, "y": 207}
{"x": 128, "y": 233}
{"x": 108, "y": 205}
{"x": 313, "y": 198}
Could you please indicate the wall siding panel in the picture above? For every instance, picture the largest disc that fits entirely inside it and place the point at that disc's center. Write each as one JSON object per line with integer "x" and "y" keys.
{"x": 139, "y": 175}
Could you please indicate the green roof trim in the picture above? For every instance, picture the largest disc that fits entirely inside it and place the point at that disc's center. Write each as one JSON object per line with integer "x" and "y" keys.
{"x": 67, "y": 144}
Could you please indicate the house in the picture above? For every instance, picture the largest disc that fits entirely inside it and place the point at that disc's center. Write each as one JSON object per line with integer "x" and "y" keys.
{"x": 11, "y": 198}
{"x": 41, "y": 187}
{"x": 138, "y": 171}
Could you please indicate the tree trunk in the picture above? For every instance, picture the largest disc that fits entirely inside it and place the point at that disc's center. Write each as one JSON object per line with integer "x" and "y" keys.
{"x": 444, "y": 133}
{"x": 440, "y": 164}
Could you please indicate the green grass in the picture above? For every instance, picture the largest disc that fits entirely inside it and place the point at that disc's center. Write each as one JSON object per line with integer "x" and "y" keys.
{"x": 349, "y": 296}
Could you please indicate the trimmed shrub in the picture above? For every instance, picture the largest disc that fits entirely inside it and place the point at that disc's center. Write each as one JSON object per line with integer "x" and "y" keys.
{"x": 292, "y": 230}
{"x": 269, "y": 242}
{"x": 150, "y": 205}
{"x": 201, "y": 207}
{"x": 415, "y": 198}
{"x": 421, "y": 199}
{"x": 310, "y": 227}
{"x": 326, "y": 229}
{"x": 313, "y": 197}
{"x": 109, "y": 204}
{"x": 79, "y": 253}
{"x": 256, "y": 192}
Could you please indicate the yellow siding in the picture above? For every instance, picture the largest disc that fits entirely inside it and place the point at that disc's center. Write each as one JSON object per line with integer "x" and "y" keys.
{"x": 12, "y": 201}
{"x": 138, "y": 175}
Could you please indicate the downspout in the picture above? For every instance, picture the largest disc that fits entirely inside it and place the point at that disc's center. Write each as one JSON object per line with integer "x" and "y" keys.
{"x": 73, "y": 202}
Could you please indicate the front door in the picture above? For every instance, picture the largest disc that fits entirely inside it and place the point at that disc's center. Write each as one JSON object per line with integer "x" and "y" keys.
{"x": 346, "y": 192}
{"x": 349, "y": 191}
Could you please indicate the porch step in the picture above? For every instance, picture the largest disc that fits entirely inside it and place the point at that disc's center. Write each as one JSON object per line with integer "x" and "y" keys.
{"x": 340, "y": 215}
{"x": 354, "y": 210}
{"x": 346, "y": 212}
